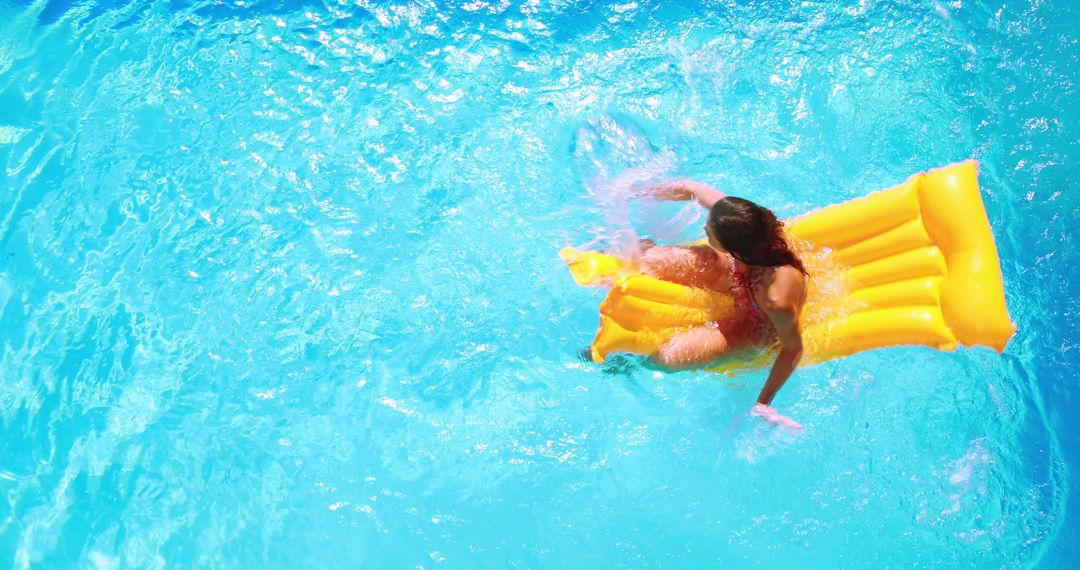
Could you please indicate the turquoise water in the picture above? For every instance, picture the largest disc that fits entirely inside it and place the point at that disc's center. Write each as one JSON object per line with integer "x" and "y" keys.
{"x": 279, "y": 285}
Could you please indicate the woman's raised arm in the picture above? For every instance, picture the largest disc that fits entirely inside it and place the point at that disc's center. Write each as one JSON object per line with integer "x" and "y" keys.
{"x": 686, "y": 190}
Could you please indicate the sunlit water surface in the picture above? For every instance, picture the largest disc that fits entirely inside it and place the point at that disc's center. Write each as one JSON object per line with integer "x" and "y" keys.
{"x": 279, "y": 284}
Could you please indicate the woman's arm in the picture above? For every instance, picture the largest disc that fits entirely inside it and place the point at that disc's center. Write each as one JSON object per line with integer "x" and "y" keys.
{"x": 785, "y": 364}
{"x": 687, "y": 190}
{"x": 783, "y": 305}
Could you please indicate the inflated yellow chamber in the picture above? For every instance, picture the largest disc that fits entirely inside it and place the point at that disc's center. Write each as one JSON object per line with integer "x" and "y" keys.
{"x": 913, "y": 264}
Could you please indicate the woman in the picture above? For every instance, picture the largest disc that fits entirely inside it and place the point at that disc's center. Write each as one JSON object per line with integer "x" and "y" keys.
{"x": 747, "y": 257}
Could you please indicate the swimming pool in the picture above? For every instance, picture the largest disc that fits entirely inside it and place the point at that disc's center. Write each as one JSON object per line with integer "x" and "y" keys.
{"x": 279, "y": 284}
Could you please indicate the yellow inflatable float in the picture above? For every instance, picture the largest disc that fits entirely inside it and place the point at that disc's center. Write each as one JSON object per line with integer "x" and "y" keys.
{"x": 911, "y": 265}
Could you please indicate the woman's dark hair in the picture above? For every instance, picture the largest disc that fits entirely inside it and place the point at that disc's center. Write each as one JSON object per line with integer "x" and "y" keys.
{"x": 751, "y": 234}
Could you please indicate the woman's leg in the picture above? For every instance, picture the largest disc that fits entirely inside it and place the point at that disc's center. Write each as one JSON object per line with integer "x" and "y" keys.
{"x": 695, "y": 266}
{"x": 693, "y": 348}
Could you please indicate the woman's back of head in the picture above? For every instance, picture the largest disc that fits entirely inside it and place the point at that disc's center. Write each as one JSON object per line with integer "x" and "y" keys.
{"x": 751, "y": 233}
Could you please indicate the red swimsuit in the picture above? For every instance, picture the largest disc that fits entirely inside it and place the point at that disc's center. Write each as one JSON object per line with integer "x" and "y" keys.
{"x": 744, "y": 297}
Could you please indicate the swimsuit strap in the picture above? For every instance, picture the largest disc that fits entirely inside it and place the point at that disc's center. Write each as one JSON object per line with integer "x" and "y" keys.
{"x": 744, "y": 295}
{"x": 744, "y": 292}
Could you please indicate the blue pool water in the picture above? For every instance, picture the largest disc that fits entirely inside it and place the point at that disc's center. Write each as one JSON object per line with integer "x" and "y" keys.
{"x": 279, "y": 284}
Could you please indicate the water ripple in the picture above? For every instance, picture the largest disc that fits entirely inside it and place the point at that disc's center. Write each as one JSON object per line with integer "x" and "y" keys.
{"x": 278, "y": 283}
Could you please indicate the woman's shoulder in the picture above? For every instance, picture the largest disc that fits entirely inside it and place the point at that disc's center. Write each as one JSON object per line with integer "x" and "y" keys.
{"x": 788, "y": 273}
{"x": 786, "y": 289}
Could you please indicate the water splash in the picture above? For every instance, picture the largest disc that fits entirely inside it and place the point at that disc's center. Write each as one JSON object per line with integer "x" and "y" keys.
{"x": 618, "y": 163}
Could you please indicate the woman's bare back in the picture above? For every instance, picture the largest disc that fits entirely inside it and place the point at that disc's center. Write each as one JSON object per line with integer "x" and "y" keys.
{"x": 694, "y": 266}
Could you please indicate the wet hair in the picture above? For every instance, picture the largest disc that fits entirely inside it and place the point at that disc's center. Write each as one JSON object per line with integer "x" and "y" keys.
{"x": 751, "y": 233}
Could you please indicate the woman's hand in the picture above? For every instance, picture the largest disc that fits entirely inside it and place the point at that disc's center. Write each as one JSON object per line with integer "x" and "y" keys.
{"x": 673, "y": 190}
{"x": 770, "y": 415}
